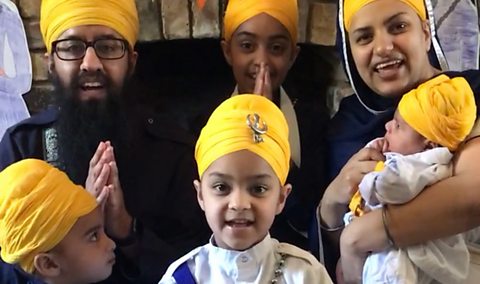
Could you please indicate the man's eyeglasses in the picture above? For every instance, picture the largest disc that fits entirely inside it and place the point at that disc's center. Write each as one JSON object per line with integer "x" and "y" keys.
{"x": 75, "y": 49}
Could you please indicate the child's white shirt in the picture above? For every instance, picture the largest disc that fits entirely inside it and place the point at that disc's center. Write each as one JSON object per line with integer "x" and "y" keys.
{"x": 211, "y": 264}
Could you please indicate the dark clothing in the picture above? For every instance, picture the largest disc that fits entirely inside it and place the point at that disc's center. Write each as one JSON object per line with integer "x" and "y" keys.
{"x": 12, "y": 274}
{"x": 308, "y": 180}
{"x": 156, "y": 171}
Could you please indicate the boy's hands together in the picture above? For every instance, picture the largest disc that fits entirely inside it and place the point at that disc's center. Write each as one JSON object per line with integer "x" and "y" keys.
{"x": 263, "y": 84}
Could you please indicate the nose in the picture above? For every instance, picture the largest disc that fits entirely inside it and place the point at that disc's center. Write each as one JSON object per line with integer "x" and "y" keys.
{"x": 91, "y": 62}
{"x": 388, "y": 126}
{"x": 239, "y": 200}
{"x": 109, "y": 243}
{"x": 383, "y": 44}
{"x": 261, "y": 56}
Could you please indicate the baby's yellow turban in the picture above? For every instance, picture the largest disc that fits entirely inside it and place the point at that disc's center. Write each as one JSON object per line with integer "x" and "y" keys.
{"x": 442, "y": 110}
{"x": 351, "y": 7}
{"x": 38, "y": 207}
{"x": 228, "y": 131}
{"x": 57, "y": 16}
{"x": 239, "y": 11}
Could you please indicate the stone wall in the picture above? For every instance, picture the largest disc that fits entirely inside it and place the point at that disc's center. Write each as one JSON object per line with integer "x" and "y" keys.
{"x": 173, "y": 19}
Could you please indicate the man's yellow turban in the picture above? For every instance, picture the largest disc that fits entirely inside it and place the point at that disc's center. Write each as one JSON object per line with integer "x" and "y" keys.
{"x": 239, "y": 11}
{"x": 38, "y": 207}
{"x": 231, "y": 128}
{"x": 57, "y": 16}
{"x": 442, "y": 110}
{"x": 351, "y": 7}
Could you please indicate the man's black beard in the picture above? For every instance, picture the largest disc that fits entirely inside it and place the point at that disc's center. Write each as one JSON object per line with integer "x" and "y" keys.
{"x": 82, "y": 125}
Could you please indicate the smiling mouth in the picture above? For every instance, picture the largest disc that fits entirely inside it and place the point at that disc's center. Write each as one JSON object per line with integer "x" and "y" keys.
{"x": 92, "y": 86}
{"x": 239, "y": 223}
{"x": 388, "y": 65}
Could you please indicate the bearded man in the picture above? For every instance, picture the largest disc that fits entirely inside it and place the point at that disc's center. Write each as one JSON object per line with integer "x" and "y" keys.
{"x": 150, "y": 205}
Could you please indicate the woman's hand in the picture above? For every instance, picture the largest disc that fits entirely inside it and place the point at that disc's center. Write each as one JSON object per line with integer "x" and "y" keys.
{"x": 343, "y": 187}
{"x": 358, "y": 239}
{"x": 379, "y": 144}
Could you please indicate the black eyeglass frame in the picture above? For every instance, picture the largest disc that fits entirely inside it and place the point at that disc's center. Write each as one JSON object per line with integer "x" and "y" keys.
{"x": 88, "y": 44}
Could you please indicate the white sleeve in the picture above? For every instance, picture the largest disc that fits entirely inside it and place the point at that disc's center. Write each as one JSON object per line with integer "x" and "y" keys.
{"x": 167, "y": 280}
{"x": 445, "y": 260}
{"x": 404, "y": 177}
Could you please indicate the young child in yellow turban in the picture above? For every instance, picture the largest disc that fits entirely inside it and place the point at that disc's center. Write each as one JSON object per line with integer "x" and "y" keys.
{"x": 243, "y": 158}
{"x": 50, "y": 227}
{"x": 260, "y": 44}
{"x": 430, "y": 124}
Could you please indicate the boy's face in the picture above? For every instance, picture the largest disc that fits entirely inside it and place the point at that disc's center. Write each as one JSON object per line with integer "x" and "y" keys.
{"x": 261, "y": 39}
{"x": 86, "y": 254}
{"x": 240, "y": 195}
{"x": 402, "y": 138}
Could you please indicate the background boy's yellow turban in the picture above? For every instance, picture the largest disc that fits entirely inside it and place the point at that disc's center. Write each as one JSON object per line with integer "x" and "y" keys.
{"x": 239, "y": 11}
{"x": 57, "y": 16}
{"x": 38, "y": 207}
{"x": 351, "y": 7}
{"x": 227, "y": 131}
{"x": 442, "y": 110}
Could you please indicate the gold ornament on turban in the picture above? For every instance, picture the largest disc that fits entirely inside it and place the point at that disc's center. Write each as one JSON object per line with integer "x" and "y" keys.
{"x": 246, "y": 122}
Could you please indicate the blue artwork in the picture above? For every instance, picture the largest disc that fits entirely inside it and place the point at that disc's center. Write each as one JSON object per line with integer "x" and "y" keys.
{"x": 15, "y": 66}
{"x": 458, "y": 32}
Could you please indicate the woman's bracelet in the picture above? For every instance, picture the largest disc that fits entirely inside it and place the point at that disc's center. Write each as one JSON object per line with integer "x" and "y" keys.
{"x": 390, "y": 240}
{"x": 325, "y": 228}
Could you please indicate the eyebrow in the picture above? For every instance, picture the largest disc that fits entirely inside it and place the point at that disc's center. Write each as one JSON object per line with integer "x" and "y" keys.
{"x": 225, "y": 176}
{"x": 272, "y": 37}
{"x": 391, "y": 18}
{"x": 106, "y": 36}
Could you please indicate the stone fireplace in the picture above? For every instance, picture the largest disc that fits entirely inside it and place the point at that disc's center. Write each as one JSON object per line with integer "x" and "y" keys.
{"x": 180, "y": 59}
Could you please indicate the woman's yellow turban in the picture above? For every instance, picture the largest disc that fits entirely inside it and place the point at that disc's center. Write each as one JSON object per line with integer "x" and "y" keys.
{"x": 38, "y": 207}
{"x": 57, "y": 16}
{"x": 351, "y": 7}
{"x": 239, "y": 11}
{"x": 232, "y": 127}
{"x": 442, "y": 110}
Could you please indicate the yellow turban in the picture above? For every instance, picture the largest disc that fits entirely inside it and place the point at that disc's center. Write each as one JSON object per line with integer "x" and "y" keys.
{"x": 228, "y": 131}
{"x": 442, "y": 110}
{"x": 38, "y": 207}
{"x": 351, "y": 7}
{"x": 239, "y": 11}
{"x": 57, "y": 16}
